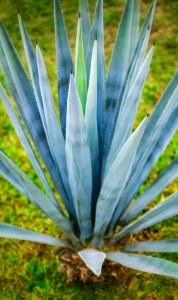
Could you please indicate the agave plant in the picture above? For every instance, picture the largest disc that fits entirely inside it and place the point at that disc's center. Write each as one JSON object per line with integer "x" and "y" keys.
{"x": 94, "y": 158}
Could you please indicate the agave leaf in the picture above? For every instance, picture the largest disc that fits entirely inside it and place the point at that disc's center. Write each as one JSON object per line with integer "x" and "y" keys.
{"x": 80, "y": 68}
{"x": 158, "y": 185}
{"x": 6, "y": 173}
{"x": 161, "y": 135}
{"x": 91, "y": 124}
{"x": 24, "y": 140}
{"x": 93, "y": 259}
{"x": 25, "y": 100}
{"x": 54, "y": 132}
{"x": 155, "y": 116}
{"x": 33, "y": 68}
{"x": 119, "y": 61}
{"x": 114, "y": 184}
{"x": 97, "y": 34}
{"x": 64, "y": 61}
{"x": 164, "y": 210}
{"x": 85, "y": 22}
{"x": 78, "y": 160}
{"x": 135, "y": 27}
{"x": 145, "y": 263}
{"x": 113, "y": 97}
{"x": 153, "y": 246}
{"x": 38, "y": 198}
{"x": 15, "y": 232}
{"x": 127, "y": 114}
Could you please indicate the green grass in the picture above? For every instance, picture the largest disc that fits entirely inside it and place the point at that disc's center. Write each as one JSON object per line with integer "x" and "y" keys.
{"x": 28, "y": 270}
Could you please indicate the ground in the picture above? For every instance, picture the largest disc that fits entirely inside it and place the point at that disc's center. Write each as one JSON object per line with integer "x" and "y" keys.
{"x": 28, "y": 270}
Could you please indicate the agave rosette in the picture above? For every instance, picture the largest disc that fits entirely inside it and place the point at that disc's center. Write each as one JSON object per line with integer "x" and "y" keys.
{"x": 96, "y": 161}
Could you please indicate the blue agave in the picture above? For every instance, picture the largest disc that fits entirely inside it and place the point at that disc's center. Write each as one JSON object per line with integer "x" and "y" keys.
{"x": 94, "y": 159}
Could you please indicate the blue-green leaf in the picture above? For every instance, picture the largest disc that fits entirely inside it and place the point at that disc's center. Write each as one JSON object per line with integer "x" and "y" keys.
{"x": 85, "y": 22}
{"x": 115, "y": 88}
{"x": 24, "y": 97}
{"x": 6, "y": 173}
{"x": 64, "y": 61}
{"x": 25, "y": 142}
{"x": 128, "y": 111}
{"x": 97, "y": 34}
{"x": 153, "y": 246}
{"x": 53, "y": 128}
{"x": 158, "y": 185}
{"x": 145, "y": 263}
{"x": 91, "y": 124}
{"x": 15, "y": 232}
{"x": 38, "y": 198}
{"x": 78, "y": 160}
{"x": 164, "y": 210}
{"x": 93, "y": 259}
{"x": 80, "y": 68}
{"x": 157, "y": 140}
{"x": 114, "y": 183}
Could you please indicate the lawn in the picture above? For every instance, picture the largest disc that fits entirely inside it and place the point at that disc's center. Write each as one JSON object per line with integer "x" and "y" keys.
{"x": 28, "y": 270}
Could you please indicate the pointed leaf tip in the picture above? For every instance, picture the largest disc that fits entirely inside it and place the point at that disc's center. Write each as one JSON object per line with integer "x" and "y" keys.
{"x": 93, "y": 259}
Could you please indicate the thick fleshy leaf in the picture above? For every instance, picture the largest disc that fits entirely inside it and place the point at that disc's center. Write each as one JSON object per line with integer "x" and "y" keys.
{"x": 113, "y": 98}
{"x": 128, "y": 111}
{"x": 159, "y": 138}
{"x": 134, "y": 27}
{"x": 114, "y": 184}
{"x": 24, "y": 140}
{"x": 145, "y": 263}
{"x": 33, "y": 68}
{"x": 53, "y": 128}
{"x": 38, "y": 198}
{"x": 85, "y": 22}
{"x": 24, "y": 97}
{"x": 15, "y": 232}
{"x": 80, "y": 68}
{"x": 6, "y": 173}
{"x": 97, "y": 34}
{"x": 153, "y": 246}
{"x": 164, "y": 210}
{"x": 64, "y": 61}
{"x": 119, "y": 61}
{"x": 93, "y": 259}
{"x": 78, "y": 160}
{"x": 91, "y": 124}
{"x": 161, "y": 182}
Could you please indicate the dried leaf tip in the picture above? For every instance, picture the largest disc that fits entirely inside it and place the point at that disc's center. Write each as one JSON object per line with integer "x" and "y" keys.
{"x": 79, "y": 15}
{"x": 36, "y": 42}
